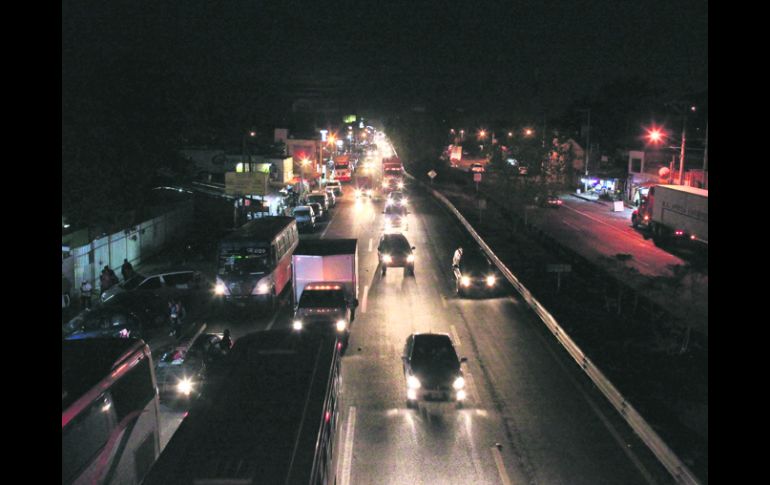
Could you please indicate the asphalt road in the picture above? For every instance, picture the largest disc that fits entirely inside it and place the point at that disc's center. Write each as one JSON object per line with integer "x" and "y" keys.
{"x": 531, "y": 416}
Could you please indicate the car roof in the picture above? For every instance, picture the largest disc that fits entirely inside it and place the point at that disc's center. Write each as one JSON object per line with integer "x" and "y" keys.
{"x": 394, "y": 237}
{"x": 432, "y": 338}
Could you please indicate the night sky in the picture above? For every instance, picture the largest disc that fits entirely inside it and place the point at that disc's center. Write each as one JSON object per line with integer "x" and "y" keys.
{"x": 491, "y": 57}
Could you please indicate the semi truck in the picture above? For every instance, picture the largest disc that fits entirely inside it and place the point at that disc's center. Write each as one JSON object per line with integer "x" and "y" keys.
{"x": 325, "y": 276}
{"x": 674, "y": 212}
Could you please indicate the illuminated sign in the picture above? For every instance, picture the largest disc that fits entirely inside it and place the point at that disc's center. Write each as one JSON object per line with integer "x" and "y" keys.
{"x": 349, "y": 119}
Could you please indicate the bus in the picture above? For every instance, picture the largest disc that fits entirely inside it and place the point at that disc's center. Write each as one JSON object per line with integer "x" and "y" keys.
{"x": 269, "y": 415}
{"x": 110, "y": 411}
{"x": 255, "y": 261}
{"x": 342, "y": 168}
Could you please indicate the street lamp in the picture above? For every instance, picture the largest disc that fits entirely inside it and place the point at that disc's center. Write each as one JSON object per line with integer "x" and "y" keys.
{"x": 251, "y": 134}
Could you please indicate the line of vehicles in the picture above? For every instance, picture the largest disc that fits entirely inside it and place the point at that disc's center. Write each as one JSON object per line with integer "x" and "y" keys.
{"x": 269, "y": 411}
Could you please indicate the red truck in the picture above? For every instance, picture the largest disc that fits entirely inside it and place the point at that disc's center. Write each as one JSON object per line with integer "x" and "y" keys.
{"x": 392, "y": 167}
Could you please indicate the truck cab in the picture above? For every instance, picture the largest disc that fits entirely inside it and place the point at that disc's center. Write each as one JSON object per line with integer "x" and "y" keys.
{"x": 325, "y": 306}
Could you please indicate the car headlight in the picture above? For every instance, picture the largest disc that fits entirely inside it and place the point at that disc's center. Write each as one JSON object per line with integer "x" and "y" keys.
{"x": 410, "y": 258}
{"x": 461, "y": 395}
{"x": 220, "y": 289}
{"x": 404, "y": 201}
{"x": 412, "y": 382}
{"x": 386, "y": 258}
{"x": 184, "y": 386}
{"x": 341, "y": 325}
{"x": 459, "y": 383}
{"x": 297, "y": 325}
{"x": 400, "y": 185}
{"x": 465, "y": 281}
{"x": 384, "y": 185}
{"x": 491, "y": 280}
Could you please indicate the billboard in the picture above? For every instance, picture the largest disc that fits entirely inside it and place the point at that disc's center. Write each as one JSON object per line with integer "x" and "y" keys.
{"x": 248, "y": 183}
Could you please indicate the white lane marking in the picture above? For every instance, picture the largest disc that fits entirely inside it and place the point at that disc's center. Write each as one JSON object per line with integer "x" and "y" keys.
{"x": 366, "y": 295}
{"x": 455, "y": 336}
{"x": 272, "y": 321}
{"x": 347, "y": 457}
{"x": 475, "y": 457}
{"x": 370, "y": 245}
{"x": 572, "y": 226}
{"x": 500, "y": 466}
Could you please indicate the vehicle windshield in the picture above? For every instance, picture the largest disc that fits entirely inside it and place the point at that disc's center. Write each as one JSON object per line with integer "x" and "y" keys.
{"x": 302, "y": 212}
{"x": 322, "y": 299}
{"x": 396, "y": 244}
{"x": 320, "y": 199}
{"x": 133, "y": 282}
{"x": 252, "y": 260}
{"x": 395, "y": 209}
{"x": 434, "y": 349}
{"x": 474, "y": 262}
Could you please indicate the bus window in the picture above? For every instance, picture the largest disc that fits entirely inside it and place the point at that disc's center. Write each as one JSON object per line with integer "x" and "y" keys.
{"x": 134, "y": 390}
{"x": 85, "y": 436}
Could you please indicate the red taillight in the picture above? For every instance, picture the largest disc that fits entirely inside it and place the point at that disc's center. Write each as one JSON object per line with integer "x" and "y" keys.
{"x": 679, "y": 232}
{"x": 339, "y": 345}
{"x": 328, "y": 416}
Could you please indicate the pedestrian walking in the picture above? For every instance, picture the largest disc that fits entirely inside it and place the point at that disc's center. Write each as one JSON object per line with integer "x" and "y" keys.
{"x": 85, "y": 294}
{"x": 176, "y": 313}
{"x": 127, "y": 270}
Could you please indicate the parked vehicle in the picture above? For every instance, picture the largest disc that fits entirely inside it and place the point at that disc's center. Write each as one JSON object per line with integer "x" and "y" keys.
{"x": 550, "y": 201}
{"x": 113, "y": 321}
{"x": 674, "y": 212}
{"x": 305, "y": 217}
{"x": 342, "y": 169}
{"x": 477, "y": 168}
{"x": 181, "y": 369}
{"x": 331, "y": 196}
{"x": 167, "y": 284}
{"x": 320, "y": 198}
{"x": 318, "y": 210}
{"x": 336, "y": 186}
{"x": 473, "y": 272}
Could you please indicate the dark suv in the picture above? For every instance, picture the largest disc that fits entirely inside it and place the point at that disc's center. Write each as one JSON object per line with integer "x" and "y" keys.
{"x": 474, "y": 272}
{"x": 432, "y": 370}
{"x": 394, "y": 251}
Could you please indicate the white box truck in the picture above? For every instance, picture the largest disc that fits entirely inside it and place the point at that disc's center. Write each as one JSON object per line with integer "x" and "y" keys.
{"x": 674, "y": 212}
{"x": 325, "y": 277}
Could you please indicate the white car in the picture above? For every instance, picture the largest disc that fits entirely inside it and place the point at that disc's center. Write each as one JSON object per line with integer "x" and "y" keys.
{"x": 305, "y": 217}
{"x": 172, "y": 280}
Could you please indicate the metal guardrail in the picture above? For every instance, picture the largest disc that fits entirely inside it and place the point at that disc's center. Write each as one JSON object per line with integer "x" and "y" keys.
{"x": 651, "y": 439}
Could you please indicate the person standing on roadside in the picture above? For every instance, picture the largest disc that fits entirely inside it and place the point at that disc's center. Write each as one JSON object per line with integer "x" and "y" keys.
{"x": 127, "y": 270}
{"x": 85, "y": 295}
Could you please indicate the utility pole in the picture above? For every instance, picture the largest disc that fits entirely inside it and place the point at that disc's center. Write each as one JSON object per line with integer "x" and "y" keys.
{"x": 706, "y": 151}
{"x": 681, "y": 149}
{"x": 588, "y": 148}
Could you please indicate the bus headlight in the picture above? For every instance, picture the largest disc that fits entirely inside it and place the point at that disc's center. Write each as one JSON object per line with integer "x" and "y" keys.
{"x": 262, "y": 287}
{"x": 412, "y": 382}
{"x": 491, "y": 280}
{"x": 401, "y": 185}
{"x": 410, "y": 258}
{"x": 297, "y": 325}
{"x": 341, "y": 325}
{"x": 185, "y": 386}
{"x": 465, "y": 281}
{"x": 386, "y": 258}
{"x": 461, "y": 395}
{"x": 459, "y": 383}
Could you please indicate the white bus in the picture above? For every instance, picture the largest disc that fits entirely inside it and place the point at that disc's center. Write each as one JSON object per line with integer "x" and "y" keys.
{"x": 110, "y": 411}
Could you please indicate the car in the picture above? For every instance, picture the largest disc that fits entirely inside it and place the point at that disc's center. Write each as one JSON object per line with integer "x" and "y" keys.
{"x": 550, "y": 200}
{"x": 305, "y": 217}
{"x": 332, "y": 197}
{"x": 432, "y": 370}
{"x": 474, "y": 272}
{"x": 318, "y": 210}
{"x": 477, "y": 168}
{"x": 169, "y": 284}
{"x": 109, "y": 321}
{"x": 396, "y": 218}
{"x": 336, "y": 186}
{"x": 320, "y": 198}
{"x": 391, "y": 184}
{"x": 396, "y": 198}
{"x": 182, "y": 368}
{"x": 394, "y": 251}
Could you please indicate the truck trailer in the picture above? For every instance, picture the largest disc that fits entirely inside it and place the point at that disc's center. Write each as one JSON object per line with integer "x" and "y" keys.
{"x": 674, "y": 212}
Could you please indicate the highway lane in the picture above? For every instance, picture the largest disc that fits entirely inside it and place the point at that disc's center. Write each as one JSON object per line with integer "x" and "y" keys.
{"x": 526, "y": 397}
{"x": 530, "y": 417}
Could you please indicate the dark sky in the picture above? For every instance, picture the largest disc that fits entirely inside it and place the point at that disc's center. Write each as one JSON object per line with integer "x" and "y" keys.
{"x": 495, "y": 57}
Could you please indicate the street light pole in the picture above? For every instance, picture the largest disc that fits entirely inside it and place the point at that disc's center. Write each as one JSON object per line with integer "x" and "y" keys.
{"x": 681, "y": 149}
